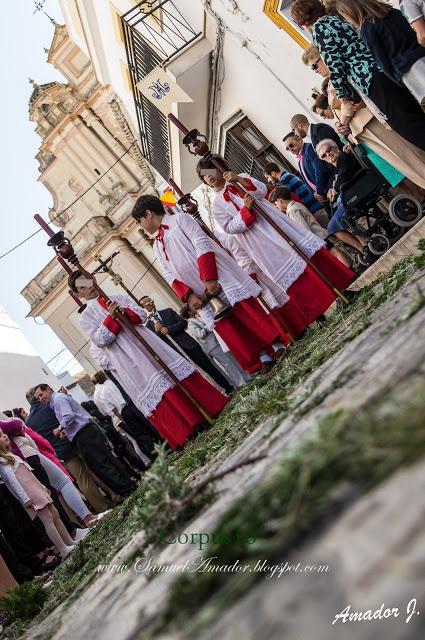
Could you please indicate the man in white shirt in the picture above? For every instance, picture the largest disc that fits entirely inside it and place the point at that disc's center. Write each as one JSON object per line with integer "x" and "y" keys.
{"x": 110, "y": 401}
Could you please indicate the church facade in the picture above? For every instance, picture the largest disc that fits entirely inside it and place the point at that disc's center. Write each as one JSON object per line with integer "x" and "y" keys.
{"x": 92, "y": 165}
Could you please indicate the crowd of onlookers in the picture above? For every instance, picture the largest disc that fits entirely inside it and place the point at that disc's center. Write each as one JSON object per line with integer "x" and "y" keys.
{"x": 64, "y": 464}
{"x": 373, "y": 67}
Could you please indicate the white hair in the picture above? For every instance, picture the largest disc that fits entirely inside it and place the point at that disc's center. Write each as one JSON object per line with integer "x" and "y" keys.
{"x": 328, "y": 142}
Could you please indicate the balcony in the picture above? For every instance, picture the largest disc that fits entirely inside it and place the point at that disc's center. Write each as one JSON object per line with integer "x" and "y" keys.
{"x": 155, "y": 33}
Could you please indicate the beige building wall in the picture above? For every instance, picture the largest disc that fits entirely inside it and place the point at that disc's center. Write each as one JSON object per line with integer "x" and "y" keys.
{"x": 85, "y": 140}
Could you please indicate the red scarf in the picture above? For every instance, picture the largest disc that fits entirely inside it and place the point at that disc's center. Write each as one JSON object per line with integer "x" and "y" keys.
{"x": 160, "y": 237}
{"x": 230, "y": 188}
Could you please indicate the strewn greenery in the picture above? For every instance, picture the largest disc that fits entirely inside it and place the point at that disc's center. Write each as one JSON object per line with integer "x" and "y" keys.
{"x": 345, "y": 455}
{"x": 275, "y": 395}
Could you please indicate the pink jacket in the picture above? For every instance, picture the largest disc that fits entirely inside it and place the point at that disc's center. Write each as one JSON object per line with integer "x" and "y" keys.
{"x": 47, "y": 450}
{"x": 15, "y": 427}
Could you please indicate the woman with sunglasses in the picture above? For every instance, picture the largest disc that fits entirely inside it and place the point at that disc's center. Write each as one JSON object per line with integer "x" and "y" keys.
{"x": 391, "y": 41}
{"x": 354, "y": 72}
{"x": 365, "y": 128}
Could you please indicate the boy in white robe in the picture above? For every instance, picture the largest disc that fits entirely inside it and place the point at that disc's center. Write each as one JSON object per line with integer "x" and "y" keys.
{"x": 269, "y": 250}
{"x": 151, "y": 389}
{"x": 193, "y": 264}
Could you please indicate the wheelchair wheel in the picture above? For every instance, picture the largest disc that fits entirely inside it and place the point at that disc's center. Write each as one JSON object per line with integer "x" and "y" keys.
{"x": 405, "y": 211}
{"x": 392, "y": 231}
{"x": 378, "y": 244}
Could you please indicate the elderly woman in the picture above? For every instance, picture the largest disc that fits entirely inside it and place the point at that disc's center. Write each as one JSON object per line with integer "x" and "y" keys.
{"x": 365, "y": 127}
{"x": 354, "y": 72}
{"x": 346, "y": 165}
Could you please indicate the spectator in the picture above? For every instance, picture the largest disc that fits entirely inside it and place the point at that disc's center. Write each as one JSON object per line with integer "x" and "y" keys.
{"x": 315, "y": 173}
{"x": 58, "y": 479}
{"x": 20, "y": 413}
{"x": 388, "y": 36}
{"x": 77, "y": 425}
{"x": 346, "y": 165}
{"x": 120, "y": 446}
{"x": 211, "y": 346}
{"x": 131, "y": 413}
{"x": 21, "y": 534}
{"x": 110, "y": 401}
{"x": 322, "y": 107}
{"x": 281, "y": 197}
{"x": 364, "y": 125}
{"x": 33, "y": 496}
{"x": 277, "y": 176}
{"x": 43, "y": 420}
{"x": 313, "y": 133}
{"x": 8, "y": 562}
{"x": 168, "y": 323}
{"x": 414, "y": 12}
{"x": 354, "y": 71}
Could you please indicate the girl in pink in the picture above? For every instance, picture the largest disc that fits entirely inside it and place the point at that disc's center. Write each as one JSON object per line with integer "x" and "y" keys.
{"x": 33, "y": 496}
{"x": 24, "y": 446}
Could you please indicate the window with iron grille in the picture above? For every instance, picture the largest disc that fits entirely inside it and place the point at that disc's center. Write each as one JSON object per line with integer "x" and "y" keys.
{"x": 154, "y": 32}
{"x": 247, "y": 150}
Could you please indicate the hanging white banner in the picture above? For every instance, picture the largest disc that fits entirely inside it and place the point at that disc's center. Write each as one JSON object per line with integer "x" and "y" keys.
{"x": 162, "y": 90}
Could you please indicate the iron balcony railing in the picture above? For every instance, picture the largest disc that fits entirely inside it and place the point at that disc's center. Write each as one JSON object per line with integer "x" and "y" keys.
{"x": 154, "y": 33}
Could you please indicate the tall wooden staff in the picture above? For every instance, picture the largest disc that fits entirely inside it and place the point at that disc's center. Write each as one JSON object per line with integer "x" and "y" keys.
{"x": 192, "y": 140}
{"x": 117, "y": 279}
{"x": 188, "y": 203}
{"x": 64, "y": 250}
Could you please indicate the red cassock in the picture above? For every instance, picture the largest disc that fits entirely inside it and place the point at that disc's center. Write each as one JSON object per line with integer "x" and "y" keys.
{"x": 189, "y": 258}
{"x": 171, "y": 411}
{"x": 309, "y": 296}
{"x": 176, "y": 417}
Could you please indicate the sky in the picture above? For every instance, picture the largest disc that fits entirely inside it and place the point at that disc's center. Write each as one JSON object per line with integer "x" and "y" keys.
{"x": 23, "y": 36}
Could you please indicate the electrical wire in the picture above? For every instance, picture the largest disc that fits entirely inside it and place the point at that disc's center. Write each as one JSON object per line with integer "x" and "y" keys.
{"x": 19, "y": 244}
{"x": 143, "y": 274}
{"x": 55, "y": 356}
{"x": 71, "y": 359}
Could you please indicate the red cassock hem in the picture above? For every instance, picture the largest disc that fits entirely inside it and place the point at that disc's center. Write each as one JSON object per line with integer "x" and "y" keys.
{"x": 311, "y": 295}
{"x": 207, "y": 266}
{"x": 176, "y": 417}
{"x": 292, "y": 318}
{"x": 247, "y": 331}
{"x": 335, "y": 271}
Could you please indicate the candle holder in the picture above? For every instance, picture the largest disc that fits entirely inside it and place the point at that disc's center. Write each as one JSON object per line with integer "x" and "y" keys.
{"x": 63, "y": 247}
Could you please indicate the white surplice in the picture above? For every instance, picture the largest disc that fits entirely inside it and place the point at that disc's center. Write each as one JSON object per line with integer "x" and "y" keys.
{"x": 272, "y": 294}
{"x": 135, "y": 369}
{"x": 261, "y": 241}
{"x": 185, "y": 242}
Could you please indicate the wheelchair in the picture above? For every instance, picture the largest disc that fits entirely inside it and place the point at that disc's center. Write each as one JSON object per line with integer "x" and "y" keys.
{"x": 372, "y": 210}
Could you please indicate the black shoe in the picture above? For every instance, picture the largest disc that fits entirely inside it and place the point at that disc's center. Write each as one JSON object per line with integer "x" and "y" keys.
{"x": 267, "y": 367}
{"x": 321, "y": 321}
{"x": 351, "y": 295}
{"x": 49, "y": 566}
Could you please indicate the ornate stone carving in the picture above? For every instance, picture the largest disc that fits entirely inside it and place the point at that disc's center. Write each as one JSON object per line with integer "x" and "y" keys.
{"x": 75, "y": 186}
{"x": 135, "y": 152}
